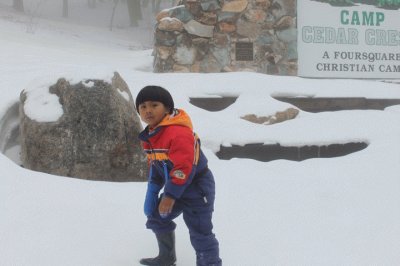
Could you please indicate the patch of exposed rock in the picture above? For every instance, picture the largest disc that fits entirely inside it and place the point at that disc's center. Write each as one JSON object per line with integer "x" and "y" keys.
{"x": 278, "y": 117}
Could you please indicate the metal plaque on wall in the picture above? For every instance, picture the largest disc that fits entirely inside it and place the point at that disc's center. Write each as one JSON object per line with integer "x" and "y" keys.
{"x": 244, "y": 51}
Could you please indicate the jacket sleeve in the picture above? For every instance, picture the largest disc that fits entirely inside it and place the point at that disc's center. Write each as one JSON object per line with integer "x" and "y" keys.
{"x": 152, "y": 175}
{"x": 182, "y": 154}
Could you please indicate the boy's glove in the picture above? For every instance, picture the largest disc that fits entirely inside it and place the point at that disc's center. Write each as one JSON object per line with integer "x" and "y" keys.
{"x": 151, "y": 200}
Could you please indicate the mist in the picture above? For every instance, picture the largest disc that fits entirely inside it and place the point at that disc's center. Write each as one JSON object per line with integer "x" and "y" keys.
{"x": 115, "y": 15}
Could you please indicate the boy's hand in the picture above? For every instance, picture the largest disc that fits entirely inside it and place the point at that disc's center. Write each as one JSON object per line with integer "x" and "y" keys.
{"x": 166, "y": 205}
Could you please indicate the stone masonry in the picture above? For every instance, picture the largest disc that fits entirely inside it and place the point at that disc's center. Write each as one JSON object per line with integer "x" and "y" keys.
{"x": 227, "y": 35}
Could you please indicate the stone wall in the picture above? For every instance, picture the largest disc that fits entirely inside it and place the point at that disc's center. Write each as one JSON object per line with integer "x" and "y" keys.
{"x": 227, "y": 35}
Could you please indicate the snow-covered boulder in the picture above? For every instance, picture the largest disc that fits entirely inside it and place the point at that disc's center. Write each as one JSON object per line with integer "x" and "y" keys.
{"x": 86, "y": 130}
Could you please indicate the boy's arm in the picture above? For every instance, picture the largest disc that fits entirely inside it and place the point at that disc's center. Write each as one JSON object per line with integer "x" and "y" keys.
{"x": 182, "y": 153}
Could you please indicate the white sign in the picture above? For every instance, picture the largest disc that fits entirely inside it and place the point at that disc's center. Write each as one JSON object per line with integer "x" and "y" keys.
{"x": 349, "y": 38}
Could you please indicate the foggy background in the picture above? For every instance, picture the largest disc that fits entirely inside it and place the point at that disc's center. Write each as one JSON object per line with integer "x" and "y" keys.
{"x": 135, "y": 17}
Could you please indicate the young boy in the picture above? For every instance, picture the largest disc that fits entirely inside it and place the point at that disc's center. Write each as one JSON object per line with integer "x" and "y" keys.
{"x": 177, "y": 164}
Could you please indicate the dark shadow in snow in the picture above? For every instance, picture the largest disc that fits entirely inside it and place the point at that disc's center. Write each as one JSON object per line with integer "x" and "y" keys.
{"x": 316, "y": 105}
{"x": 213, "y": 104}
{"x": 266, "y": 153}
{"x": 309, "y": 104}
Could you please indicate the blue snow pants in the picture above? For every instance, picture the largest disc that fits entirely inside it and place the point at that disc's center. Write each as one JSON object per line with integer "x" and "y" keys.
{"x": 197, "y": 206}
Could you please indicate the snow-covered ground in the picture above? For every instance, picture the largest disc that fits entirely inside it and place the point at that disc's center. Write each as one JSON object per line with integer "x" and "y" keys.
{"x": 336, "y": 211}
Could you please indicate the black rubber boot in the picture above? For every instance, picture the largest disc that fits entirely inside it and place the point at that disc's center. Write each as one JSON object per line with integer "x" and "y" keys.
{"x": 166, "y": 255}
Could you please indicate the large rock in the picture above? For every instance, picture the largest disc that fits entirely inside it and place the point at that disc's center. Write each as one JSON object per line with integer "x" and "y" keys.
{"x": 235, "y": 6}
{"x": 94, "y": 136}
{"x": 195, "y": 28}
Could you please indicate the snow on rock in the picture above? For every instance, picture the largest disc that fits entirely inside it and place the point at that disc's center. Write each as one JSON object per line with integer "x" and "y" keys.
{"x": 41, "y": 105}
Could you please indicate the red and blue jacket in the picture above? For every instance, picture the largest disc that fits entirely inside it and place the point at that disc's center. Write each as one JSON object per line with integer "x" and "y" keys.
{"x": 173, "y": 153}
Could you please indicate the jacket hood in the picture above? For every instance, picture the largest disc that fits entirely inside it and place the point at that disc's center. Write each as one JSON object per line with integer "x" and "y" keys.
{"x": 178, "y": 117}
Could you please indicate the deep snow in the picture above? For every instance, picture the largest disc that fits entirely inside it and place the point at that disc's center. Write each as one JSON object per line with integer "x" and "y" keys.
{"x": 336, "y": 211}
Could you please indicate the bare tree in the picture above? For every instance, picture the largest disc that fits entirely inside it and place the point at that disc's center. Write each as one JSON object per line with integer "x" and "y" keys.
{"x": 18, "y": 5}
{"x": 34, "y": 13}
{"x": 65, "y": 8}
{"x": 135, "y": 11}
{"x": 155, "y": 6}
{"x": 112, "y": 15}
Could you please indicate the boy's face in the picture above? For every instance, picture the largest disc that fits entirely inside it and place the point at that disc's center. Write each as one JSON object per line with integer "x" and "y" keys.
{"x": 152, "y": 112}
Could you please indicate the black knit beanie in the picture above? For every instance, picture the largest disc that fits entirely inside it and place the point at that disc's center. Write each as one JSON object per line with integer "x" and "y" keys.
{"x": 156, "y": 94}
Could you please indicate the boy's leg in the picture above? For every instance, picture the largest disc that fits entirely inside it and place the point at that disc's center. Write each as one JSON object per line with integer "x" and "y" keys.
{"x": 201, "y": 236}
{"x": 197, "y": 213}
{"x": 166, "y": 254}
{"x": 164, "y": 231}
{"x": 198, "y": 206}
